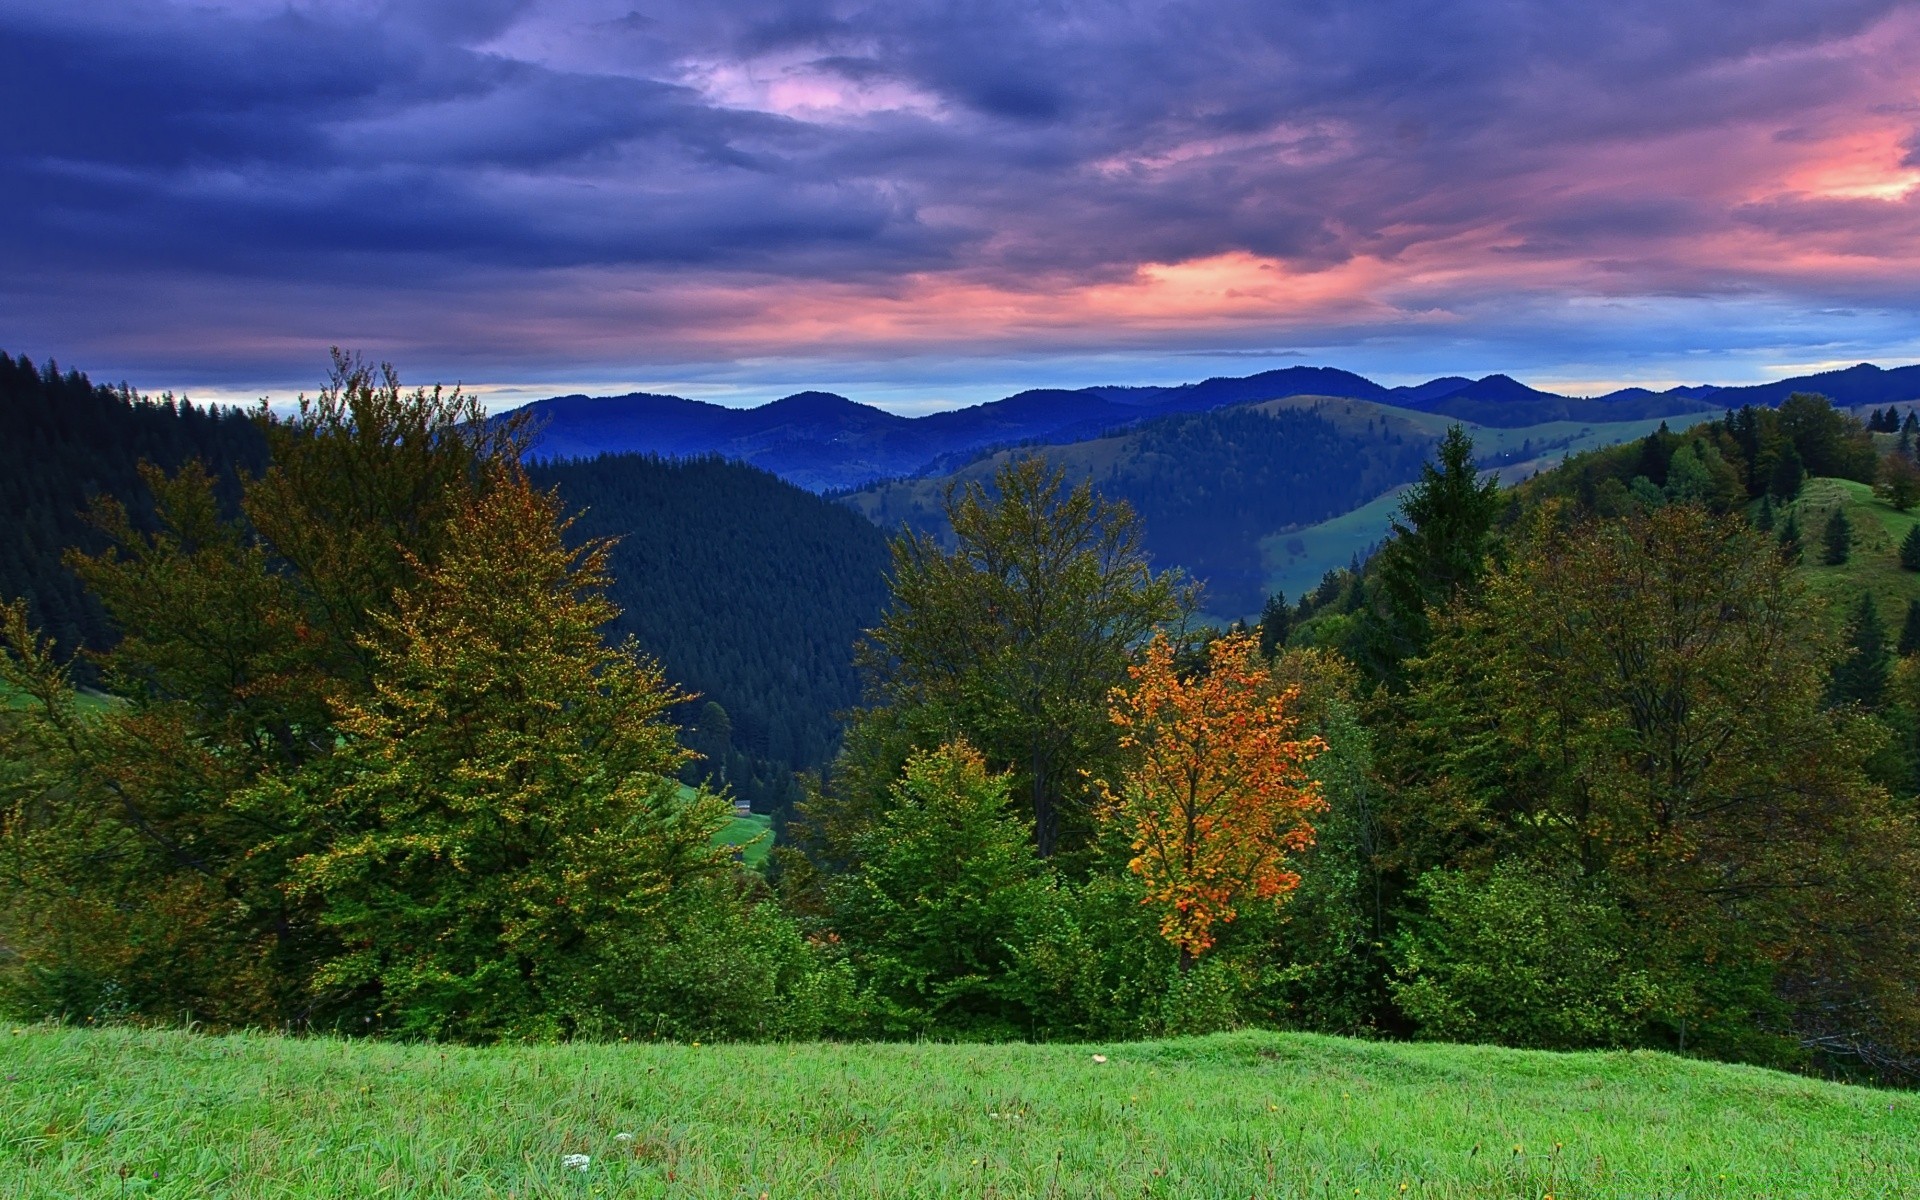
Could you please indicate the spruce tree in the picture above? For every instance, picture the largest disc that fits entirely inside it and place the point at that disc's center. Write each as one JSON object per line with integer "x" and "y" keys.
{"x": 1861, "y": 677}
{"x": 1912, "y": 424}
{"x": 1837, "y": 539}
{"x": 1910, "y": 630}
{"x": 1276, "y": 622}
{"x": 1910, "y": 550}
{"x": 1438, "y": 550}
{"x": 1788, "y": 472}
{"x": 1790, "y": 538}
{"x": 1763, "y": 520}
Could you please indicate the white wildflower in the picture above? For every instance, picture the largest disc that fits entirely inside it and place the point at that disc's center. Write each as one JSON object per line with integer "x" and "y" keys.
{"x": 576, "y": 1162}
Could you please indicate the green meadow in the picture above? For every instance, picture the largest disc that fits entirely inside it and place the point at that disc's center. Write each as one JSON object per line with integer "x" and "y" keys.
{"x": 124, "y": 1112}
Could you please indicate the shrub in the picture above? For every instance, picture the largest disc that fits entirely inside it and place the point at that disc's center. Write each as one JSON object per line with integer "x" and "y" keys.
{"x": 1519, "y": 957}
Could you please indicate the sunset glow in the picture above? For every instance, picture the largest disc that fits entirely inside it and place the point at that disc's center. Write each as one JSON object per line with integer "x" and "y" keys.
{"x": 766, "y": 196}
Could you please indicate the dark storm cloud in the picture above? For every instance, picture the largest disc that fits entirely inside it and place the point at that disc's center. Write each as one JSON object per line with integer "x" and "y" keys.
{"x": 994, "y": 141}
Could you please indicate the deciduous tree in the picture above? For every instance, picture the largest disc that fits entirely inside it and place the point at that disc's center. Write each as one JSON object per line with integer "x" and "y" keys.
{"x": 1217, "y": 798}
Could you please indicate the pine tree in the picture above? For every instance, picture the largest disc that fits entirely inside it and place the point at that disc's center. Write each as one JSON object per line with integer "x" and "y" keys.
{"x": 1912, "y": 424}
{"x": 1910, "y": 550}
{"x": 1790, "y": 538}
{"x": 1910, "y": 630}
{"x": 1763, "y": 520}
{"x": 1788, "y": 473}
{"x": 1861, "y": 677}
{"x": 1276, "y": 621}
{"x": 1438, "y": 550}
{"x": 1837, "y": 539}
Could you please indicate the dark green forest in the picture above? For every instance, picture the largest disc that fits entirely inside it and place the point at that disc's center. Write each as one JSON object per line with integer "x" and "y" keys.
{"x": 63, "y": 441}
{"x": 750, "y": 591}
{"x": 1209, "y": 485}
{"x": 1621, "y": 757}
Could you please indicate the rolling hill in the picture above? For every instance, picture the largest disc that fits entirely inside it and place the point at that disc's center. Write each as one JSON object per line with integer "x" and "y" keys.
{"x": 825, "y": 442}
{"x": 1262, "y": 497}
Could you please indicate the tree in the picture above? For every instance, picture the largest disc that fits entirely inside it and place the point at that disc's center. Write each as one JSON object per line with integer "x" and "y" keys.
{"x": 1276, "y": 621}
{"x": 1899, "y": 482}
{"x": 514, "y": 849}
{"x": 1639, "y": 705}
{"x": 1910, "y": 631}
{"x": 1014, "y": 637}
{"x": 1910, "y": 550}
{"x": 1763, "y": 519}
{"x": 946, "y": 889}
{"x": 1860, "y": 677}
{"x": 1836, "y": 540}
{"x": 1788, "y": 473}
{"x": 1789, "y": 540}
{"x": 1436, "y": 551}
{"x": 1217, "y": 798}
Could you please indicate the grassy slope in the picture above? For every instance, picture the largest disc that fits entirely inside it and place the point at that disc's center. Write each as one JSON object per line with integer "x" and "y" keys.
{"x": 1874, "y": 564}
{"x": 1297, "y": 559}
{"x": 112, "y": 1113}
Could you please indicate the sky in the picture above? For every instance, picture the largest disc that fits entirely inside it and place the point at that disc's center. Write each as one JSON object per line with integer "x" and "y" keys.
{"x": 921, "y": 204}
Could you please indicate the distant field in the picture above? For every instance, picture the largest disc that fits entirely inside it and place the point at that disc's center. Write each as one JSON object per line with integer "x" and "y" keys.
{"x": 754, "y": 835}
{"x": 112, "y": 1113}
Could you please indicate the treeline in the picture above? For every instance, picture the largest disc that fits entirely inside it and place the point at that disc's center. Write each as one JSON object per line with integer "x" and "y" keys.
{"x": 749, "y": 591}
{"x": 65, "y": 440}
{"x": 1568, "y": 766}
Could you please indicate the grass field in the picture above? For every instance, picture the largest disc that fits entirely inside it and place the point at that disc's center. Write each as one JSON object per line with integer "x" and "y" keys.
{"x": 1874, "y": 564}
{"x": 754, "y": 836}
{"x": 111, "y": 1113}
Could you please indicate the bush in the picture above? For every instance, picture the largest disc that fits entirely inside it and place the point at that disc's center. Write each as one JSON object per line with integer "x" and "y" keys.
{"x": 1521, "y": 958}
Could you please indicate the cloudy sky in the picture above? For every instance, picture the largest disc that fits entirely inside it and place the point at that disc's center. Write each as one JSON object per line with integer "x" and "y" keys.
{"x": 920, "y": 204}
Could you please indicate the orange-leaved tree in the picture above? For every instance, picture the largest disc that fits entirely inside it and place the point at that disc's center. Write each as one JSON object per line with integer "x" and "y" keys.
{"x": 1216, "y": 797}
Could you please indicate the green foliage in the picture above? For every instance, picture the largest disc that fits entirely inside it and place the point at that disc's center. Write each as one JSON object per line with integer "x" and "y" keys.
{"x": 1910, "y": 631}
{"x": 1014, "y": 637}
{"x": 1860, "y": 677}
{"x": 1438, "y": 551}
{"x": 1640, "y": 704}
{"x": 1910, "y": 550}
{"x": 1521, "y": 958}
{"x": 946, "y": 891}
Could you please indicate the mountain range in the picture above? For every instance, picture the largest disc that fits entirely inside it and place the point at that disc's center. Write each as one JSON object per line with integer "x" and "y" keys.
{"x": 825, "y": 442}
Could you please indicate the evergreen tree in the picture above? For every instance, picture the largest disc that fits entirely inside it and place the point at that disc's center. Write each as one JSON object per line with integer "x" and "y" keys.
{"x": 1438, "y": 549}
{"x": 1861, "y": 677}
{"x": 1788, "y": 473}
{"x": 1910, "y": 630}
{"x": 1790, "y": 538}
{"x": 1910, "y": 550}
{"x": 1763, "y": 520}
{"x": 1836, "y": 540}
{"x": 1912, "y": 424}
{"x": 1276, "y": 621}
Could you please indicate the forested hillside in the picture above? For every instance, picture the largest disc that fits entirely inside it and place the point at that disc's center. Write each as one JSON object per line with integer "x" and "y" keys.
{"x": 65, "y": 440}
{"x": 751, "y": 591}
{"x": 1209, "y": 485}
